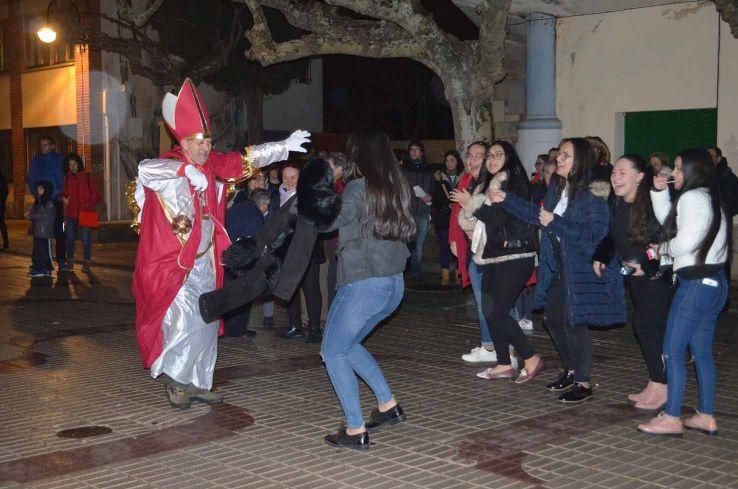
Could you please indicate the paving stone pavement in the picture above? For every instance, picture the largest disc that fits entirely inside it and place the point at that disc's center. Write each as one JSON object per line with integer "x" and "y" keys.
{"x": 68, "y": 359}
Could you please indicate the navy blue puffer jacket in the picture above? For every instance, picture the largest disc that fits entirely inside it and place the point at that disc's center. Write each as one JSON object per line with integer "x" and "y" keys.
{"x": 590, "y": 300}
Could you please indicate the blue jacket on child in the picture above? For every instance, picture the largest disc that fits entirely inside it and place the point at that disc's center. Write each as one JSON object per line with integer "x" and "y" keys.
{"x": 591, "y": 300}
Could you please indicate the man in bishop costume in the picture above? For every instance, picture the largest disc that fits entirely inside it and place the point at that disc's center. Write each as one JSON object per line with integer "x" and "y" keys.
{"x": 182, "y": 200}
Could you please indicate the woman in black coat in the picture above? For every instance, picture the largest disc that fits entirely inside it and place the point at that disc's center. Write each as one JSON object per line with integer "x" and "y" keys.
{"x": 445, "y": 182}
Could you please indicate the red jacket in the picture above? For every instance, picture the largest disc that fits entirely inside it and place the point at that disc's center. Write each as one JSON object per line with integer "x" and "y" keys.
{"x": 82, "y": 193}
{"x": 457, "y": 235}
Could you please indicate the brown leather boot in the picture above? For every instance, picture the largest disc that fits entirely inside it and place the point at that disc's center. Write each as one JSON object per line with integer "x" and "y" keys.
{"x": 444, "y": 276}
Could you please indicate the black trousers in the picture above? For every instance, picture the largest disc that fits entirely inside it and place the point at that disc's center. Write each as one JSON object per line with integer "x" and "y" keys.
{"x": 236, "y": 322}
{"x": 41, "y": 255}
{"x": 314, "y": 299}
{"x": 574, "y": 343}
{"x": 3, "y": 226}
{"x": 501, "y": 285}
{"x": 59, "y": 235}
{"x": 651, "y": 300}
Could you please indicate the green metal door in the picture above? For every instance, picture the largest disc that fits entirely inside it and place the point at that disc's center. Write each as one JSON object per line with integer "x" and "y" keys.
{"x": 669, "y": 131}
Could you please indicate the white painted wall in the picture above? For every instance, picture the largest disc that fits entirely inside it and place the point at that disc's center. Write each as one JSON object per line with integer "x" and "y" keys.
{"x": 49, "y": 97}
{"x": 656, "y": 58}
{"x": 301, "y": 106}
{"x": 728, "y": 97}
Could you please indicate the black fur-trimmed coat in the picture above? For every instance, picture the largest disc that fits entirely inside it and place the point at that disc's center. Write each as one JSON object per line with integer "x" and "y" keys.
{"x": 275, "y": 260}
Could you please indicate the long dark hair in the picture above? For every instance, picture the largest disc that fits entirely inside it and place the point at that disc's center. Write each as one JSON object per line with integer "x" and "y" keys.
{"x": 581, "y": 169}
{"x": 387, "y": 193}
{"x": 517, "y": 180}
{"x": 459, "y": 161}
{"x": 698, "y": 172}
{"x": 641, "y": 209}
{"x": 73, "y": 156}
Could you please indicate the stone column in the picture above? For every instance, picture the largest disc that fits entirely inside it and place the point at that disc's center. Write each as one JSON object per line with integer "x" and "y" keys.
{"x": 540, "y": 129}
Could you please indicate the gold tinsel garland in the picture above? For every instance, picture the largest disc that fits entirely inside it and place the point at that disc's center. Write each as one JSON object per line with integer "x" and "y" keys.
{"x": 133, "y": 205}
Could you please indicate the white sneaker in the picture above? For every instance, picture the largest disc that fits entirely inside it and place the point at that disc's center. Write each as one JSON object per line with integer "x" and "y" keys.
{"x": 480, "y": 355}
{"x": 513, "y": 359}
{"x": 526, "y": 324}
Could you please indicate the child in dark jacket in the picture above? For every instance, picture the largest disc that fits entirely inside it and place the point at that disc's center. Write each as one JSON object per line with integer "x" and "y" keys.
{"x": 42, "y": 215}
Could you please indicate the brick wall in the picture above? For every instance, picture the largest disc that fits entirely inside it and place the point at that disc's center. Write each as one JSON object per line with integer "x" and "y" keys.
{"x": 14, "y": 51}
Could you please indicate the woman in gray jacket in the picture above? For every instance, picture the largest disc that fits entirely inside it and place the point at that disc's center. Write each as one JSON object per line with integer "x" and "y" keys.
{"x": 374, "y": 227}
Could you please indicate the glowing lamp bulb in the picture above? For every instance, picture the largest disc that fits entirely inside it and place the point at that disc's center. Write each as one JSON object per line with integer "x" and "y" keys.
{"x": 47, "y": 34}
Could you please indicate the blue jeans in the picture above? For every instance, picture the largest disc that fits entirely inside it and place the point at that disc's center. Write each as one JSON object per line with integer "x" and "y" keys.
{"x": 475, "y": 275}
{"x": 72, "y": 227}
{"x": 692, "y": 319}
{"x": 422, "y": 224}
{"x": 356, "y": 309}
{"x": 444, "y": 251}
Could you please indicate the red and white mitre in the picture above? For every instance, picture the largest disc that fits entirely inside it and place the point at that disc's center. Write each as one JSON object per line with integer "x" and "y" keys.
{"x": 185, "y": 113}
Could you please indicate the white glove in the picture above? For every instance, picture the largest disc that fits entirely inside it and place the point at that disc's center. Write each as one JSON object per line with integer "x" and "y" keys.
{"x": 197, "y": 178}
{"x": 419, "y": 192}
{"x": 295, "y": 141}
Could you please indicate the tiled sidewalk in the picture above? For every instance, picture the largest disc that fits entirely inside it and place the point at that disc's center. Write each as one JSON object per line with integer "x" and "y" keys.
{"x": 68, "y": 359}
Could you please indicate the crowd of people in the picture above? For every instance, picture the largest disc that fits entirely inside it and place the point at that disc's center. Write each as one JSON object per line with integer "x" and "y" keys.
{"x": 573, "y": 240}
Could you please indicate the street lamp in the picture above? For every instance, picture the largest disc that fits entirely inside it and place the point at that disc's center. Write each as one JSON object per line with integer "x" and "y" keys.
{"x": 46, "y": 34}
{"x": 62, "y": 8}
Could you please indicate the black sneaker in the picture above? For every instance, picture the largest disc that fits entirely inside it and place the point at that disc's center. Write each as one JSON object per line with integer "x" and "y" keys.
{"x": 292, "y": 333}
{"x": 314, "y": 336}
{"x": 563, "y": 382}
{"x": 576, "y": 394}
{"x": 343, "y": 440}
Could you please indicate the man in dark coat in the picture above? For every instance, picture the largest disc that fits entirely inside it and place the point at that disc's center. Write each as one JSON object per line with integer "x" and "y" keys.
{"x": 275, "y": 260}
{"x": 419, "y": 176}
{"x": 727, "y": 181}
{"x": 243, "y": 220}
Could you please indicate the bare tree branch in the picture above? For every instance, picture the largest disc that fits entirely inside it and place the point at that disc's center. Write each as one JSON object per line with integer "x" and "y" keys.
{"x": 371, "y": 44}
{"x": 729, "y": 11}
{"x": 492, "y": 35}
{"x": 440, "y": 47}
{"x": 140, "y": 20}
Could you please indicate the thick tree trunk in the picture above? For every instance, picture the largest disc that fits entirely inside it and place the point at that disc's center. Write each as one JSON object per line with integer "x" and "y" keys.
{"x": 472, "y": 115}
{"x": 253, "y": 96}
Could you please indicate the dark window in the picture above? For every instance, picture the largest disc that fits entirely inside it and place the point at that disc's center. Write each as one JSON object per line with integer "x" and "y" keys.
{"x": 2, "y": 48}
{"x": 305, "y": 77}
{"x": 6, "y": 155}
{"x": 669, "y": 131}
{"x": 39, "y": 53}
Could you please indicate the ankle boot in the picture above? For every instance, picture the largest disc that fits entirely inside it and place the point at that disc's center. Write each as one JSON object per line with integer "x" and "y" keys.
{"x": 177, "y": 395}
{"x": 203, "y": 395}
{"x": 444, "y": 276}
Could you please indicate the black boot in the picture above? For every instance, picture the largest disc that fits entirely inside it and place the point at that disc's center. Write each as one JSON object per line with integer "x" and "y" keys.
{"x": 343, "y": 440}
{"x": 315, "y": 335}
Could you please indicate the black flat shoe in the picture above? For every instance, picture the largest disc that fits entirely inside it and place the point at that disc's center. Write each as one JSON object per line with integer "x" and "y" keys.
{"x": 293, "y": 332}
{"x": 577, "y": 394}
{"x": 563, "y": 382}
{"x": 314, "y": 336}
{"x": 249, "y": 333}
{"x": 343, "y": 440}
{"x": 378, "y": 418}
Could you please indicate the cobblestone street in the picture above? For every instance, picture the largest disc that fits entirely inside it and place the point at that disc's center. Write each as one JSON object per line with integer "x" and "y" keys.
{"x": 68, "y": 359}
